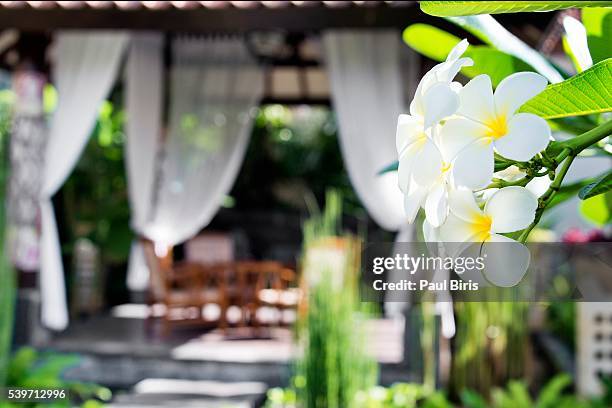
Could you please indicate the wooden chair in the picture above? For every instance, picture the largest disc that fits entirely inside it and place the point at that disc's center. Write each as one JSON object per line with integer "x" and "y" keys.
{"x": 183, "y": 288}
{"x": 264, "y": 283}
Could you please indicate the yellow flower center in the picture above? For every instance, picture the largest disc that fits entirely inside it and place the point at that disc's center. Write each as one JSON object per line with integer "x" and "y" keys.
{"x": 497, "y": 127}
{"x": 445, "y": 167}
{"x": 481, "y": 227}
{"x": 421, "y": 139}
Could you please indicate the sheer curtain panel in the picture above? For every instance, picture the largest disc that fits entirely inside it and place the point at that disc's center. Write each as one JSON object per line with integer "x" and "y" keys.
{"x": 367, "y": 95}
{"x": 215, "y": 87}
{"x": 143, "y": 101}
{"x": 84, "y": 70}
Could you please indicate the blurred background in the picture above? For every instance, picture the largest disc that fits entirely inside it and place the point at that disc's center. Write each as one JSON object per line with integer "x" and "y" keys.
{"x": 188, "y": 185}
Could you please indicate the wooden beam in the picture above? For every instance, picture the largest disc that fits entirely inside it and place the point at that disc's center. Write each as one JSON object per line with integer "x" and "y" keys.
{"x": 293, "y": 19}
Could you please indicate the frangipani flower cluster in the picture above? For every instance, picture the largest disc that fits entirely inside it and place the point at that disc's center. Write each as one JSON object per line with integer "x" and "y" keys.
{"x": 447, "y": 145}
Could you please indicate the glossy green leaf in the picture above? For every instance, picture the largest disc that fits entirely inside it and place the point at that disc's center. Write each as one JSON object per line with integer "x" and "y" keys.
{"x": 598, "y": 209}
{"x": 391, "y": 167}
{"x": 583, "y": 94}
{"x": 429, "y": 41}
{"x": 602, "y": 185}
{"x": 468, "y": 8}
{"x": 487, "y": 29}
{"x": 436, "y": 44}
{"x": 598, "y": 24}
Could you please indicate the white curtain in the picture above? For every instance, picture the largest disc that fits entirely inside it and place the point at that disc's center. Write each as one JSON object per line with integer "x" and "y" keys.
{"x": 215, "y": 86}
{"x": 143, "y": 101}
{"x": 85, "y": 67}
{"x": 367, "y": 95}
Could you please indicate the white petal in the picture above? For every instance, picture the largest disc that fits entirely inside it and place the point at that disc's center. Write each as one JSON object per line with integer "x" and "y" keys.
{"x": 527, "y": 135}
{"x": 576, "y": 36}
{"x": 538, "y": 185}
{"x": 476, "y": 99}
{"x": 404, "y": 170}
{"x": 439, "y": 102}
{"x": 409, "y": 128}
{"x": 455, "y": 229}
{"x": 512, "y": 173}
{"x": 511, "y": 209}
{"x": 429, "y": 164}
{"x": 448, "y": 70}
{"x": 458, "y": 50}
{"x": 430, "y": 234}
{"x": 436, "y": 205}
{"x": 506, "y": 260}
{"x": 456, "y": 134}
{"x": 429, "y": 79}
{"x": 474, "y": 165}
{"x": 413, "y": 201}
{"x": 516, "y": 89}
{"x": 462, "y": 204}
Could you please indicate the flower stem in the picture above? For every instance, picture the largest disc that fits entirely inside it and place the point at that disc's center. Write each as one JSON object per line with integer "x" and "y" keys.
{"x": 570, "y": 149}
{"x": 587, "y": 139}
{"x": 548, "y": 195}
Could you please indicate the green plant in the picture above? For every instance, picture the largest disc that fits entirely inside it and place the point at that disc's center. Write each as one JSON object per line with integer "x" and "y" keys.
{"x": 7, "y": 276}
{"x": 576, "y": 104}
{"x": 516, "y": 395}
{"x": 334, "y": 366}
{"x": 293, "y": 155}
{"x": 29, "y": 368}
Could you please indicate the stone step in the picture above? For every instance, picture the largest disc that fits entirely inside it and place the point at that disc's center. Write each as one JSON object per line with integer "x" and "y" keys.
{"x": 160, "y": 392}
{"x": 125, "y": 371}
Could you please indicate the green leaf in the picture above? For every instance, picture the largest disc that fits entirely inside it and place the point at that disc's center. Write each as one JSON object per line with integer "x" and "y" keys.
{"x": 598, "y": 209}
{"x": 471, "y": 399}
{"x": 436, "y": 44}
{"x": 583, "y": 94}
{"x": 600, "y": 186}
{"x": 568, "y": 191}
{"x": 498, "y": 65}
{"x": 494, "y": 34}
{"x": 391, "y": 167}
{"x": 429, "y": 41}
{"x": 598, "y": 24}
{"x": 467, "y": 8}
{"x": 551, "y": 393}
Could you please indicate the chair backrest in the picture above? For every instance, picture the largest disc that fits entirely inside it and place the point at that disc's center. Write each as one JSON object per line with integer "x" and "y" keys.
{"x": 210, "y": 248}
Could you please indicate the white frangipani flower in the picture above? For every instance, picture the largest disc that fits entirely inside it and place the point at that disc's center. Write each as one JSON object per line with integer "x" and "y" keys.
{"x": 576, "y": 37}
{"x": 470, "y": 229}
{"x": 436, "y": 95}
{"x": 509, "y": 209}
{"x": 426, "y": 174}
{"x": 489, "y": 122}
{"x": 436, "y": 98}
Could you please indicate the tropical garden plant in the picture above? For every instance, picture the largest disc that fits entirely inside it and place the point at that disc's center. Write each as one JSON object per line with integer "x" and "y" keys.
{"x": 479, "y": 146}
{"x": 32, "y": 369}
{"x": 470, "y": 154}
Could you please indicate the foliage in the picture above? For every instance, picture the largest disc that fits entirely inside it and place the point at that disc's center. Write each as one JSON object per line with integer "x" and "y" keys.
{"x": 95, "y": 194}
{"x": 598, "y": 209}
{"x": 602, "y": 185}
{"x": 466, "y": 8}
{"x": 489, "y": 31}
{"x": 292, "y": 158}
{"x": 334, "y": 365}
{"x": 32, "y": 369}
{"x": 582, "y": 94}
{"x": 487, "y": 60}
{"x": 409, "y": 395}
{"x": 489, "y": 344}
{"x": 577, "y": 105}
{"x": 598, "y": 24}
{"x": 7, "y": 277}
